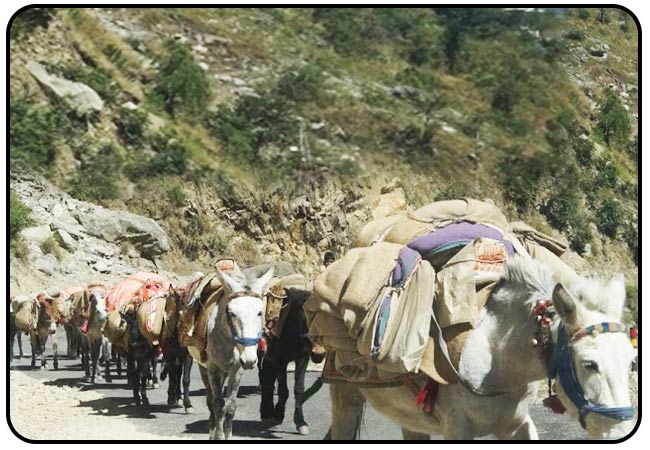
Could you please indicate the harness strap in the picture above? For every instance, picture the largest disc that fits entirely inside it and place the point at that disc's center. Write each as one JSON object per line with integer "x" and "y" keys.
{"x": 435, "y": 328}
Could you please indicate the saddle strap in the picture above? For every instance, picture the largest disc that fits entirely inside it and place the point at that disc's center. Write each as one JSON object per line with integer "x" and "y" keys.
{"x": 436, "y": 332}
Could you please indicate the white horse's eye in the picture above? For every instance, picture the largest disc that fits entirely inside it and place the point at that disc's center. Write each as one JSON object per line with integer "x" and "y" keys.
{"x": 259, "y": 314}
{"x": 231, "y": 314}
{"x": 590, "y": 365}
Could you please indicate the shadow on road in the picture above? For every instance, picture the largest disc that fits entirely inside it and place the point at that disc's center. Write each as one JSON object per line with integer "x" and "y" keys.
{"x": 240, "y": 428}
{"x": 245, "y": 391}
{"x": 120, "y": 406}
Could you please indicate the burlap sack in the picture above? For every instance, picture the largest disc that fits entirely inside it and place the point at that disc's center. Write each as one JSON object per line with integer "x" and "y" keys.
{"x": 479, "y": 263}
{"x": 116, "y": 329}
{"x": 150, "y": 316}
{"x": 445, "y": 212}
{"x": 25, "y": 315}
{"x": 401, "y": 348}
{"x": 376, "y": 230}
{"x": 561, "y": 271}
{"x": 330, "y": 284}
{"x": 527, "y": 233}
{"x": 408, "y": 228}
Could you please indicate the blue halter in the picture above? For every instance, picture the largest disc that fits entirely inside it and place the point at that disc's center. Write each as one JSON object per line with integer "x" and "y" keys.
{"x": 562, "y": 366}
{"x": 245, "y": 341}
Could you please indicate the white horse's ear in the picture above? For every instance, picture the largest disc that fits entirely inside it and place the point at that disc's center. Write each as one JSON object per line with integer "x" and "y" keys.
{"x": 260, "y": 284}
{"x": 569, "y": 309}
{"x": 615, "y": 297}
{"x": 229, "y": 282}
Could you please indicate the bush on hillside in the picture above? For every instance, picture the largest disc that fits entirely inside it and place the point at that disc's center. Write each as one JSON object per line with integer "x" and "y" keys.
{"x": 181, "y": 83}
{"x": 300, "y": 84}
{"x": 614, "y": 122}
{"x": 19, "y": 215}
{"x": 610, "y": 217}
{"x": 131, "y": 126}
{"x": 171, "y": 156}
{"x": 98, "y": 178}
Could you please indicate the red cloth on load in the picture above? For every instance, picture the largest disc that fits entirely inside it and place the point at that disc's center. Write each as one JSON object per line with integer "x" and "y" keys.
{"x": 142, "y": 286}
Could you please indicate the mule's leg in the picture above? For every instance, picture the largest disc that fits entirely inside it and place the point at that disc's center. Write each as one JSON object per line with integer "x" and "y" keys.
{"x": 133, "y": 373}
{"x": 144, "y": 367}
{"x": 107, "y": 360}
{"x": 55, "y": 350}
{"x": 19, "y": 336}
{"x": 34, "y": 345}
{"x": 298, "y": 394}
{"x": 94, "y": 357}
{"x": 216, "y": 379}
{"x": 347, "y": 410}
{"x": 173, "y": 369}
{"x": 154, "y": 372}
{"x": 187, "y": 371}
{"x": 283, "y": 392}
{"x": 41, "y": 345}
{"x": 85, "y": 355}
{"x": 409, "y": 435}
{"x": 525, "y": 432}
{"x": 230, "y": 407}
{"x": 209, "y": 398}
{"x": 267, "y": 381}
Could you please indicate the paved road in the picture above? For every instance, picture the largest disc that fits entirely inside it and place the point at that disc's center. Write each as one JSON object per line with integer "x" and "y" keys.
{"x": 160, "y": 419}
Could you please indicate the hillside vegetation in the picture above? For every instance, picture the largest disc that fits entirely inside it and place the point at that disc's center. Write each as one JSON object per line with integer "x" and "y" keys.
{"x": 222, "y": 124}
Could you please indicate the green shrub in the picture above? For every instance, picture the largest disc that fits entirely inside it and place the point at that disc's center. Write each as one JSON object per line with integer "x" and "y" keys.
{"x": 563, "y": 208}
{"x": 608, "y": 174}
{"x": 583, "y": 13}
{"x": 181, "y": 83}
{"x": 19, "y": 215}
{"x": 610, "y": 217}
{"x": 633, "y": 148}
{"x": 415, "y": 139}
{"x": 28, "y": 19}
{"x": 520, "y": 177}
{"x": 631, "y": 236}
{"x": 418, "y": 79}
{"x": 556, "y": 135}
{"x": 252, "y": 123}
{"x": 614, "y": 122}
{"x": 300, "y": 84}
{"x": 580, "y": 235}
{"x": 575, "y": 35}
{"x": 176, "y": 195}
{"x": 603, "y": 16}
{"x": 584, "y": 150}
{"x": 32, "y": 130}
{"x": 349, "y": 30}
{"x": 131, "y": 126}
{"x": 50, "y": 245}
{"x": 171, "y": 156}
{"x": 98, "y": 178}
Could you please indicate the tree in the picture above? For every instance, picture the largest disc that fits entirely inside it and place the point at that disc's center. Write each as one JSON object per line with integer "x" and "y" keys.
{"x": 181, "y": 82}
{"x": 614, "y": 122}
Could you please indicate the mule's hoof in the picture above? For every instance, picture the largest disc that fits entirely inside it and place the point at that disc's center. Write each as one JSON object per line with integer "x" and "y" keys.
{"x": 43, "y": 367}
{"x": 189, "y": 410}
{"x": 269, "y": 422}
{"x": 156, "y": 386}
{"x": 303, "y": 430}
{"x": 145, "y": 402}
{"x": 138, "y": 402}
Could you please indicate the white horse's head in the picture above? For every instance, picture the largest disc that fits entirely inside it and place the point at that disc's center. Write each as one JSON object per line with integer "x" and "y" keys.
{"x": 600, "y": 355}
{"x": 245, "y": 313}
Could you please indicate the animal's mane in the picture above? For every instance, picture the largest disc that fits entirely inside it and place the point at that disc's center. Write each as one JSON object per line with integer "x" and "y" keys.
{"x": 530, "y": 276}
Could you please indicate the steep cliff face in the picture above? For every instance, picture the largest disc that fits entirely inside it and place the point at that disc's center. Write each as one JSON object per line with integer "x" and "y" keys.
{"x": 267, "y": 134}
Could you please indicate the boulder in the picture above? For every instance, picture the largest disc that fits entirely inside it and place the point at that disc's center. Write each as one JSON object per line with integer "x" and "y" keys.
{"x": 46, "y": 264}
{"x": 36, "y": 235}
{"x": 65, "y": 240}
{"x": 80, "y": 96}
{"x": 143, "y": 233}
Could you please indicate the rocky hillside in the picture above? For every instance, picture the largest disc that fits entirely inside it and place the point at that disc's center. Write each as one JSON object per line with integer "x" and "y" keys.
{"x": 268, "y": 134}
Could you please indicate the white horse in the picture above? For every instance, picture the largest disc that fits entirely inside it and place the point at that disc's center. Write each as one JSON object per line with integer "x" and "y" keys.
{"x": 235, "y": 327}
{"x": 507, "y": 353}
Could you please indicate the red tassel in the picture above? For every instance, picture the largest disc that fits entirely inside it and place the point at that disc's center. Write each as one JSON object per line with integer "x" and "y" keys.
{"x": 427, "y": 396}
{"x": 554, "y": 404}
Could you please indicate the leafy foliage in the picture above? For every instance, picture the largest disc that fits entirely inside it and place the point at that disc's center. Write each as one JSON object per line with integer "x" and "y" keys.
{"x": 98, "y": 178}
{"x": 18, "y": 215}
{"x": 614, "y": 122}
{"x": 171, "y": 156}
{"x": 610, "y": 217}
{"x": 300, "y": 84}
{"x": 131, "y": 126}
{"x": 181, "y": 83}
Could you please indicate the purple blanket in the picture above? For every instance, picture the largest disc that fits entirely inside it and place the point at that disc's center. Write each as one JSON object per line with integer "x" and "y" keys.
{"x": 460, "y": 232}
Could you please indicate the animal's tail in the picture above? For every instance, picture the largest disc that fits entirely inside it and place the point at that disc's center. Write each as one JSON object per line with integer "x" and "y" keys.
{"x": 309, "y": 392}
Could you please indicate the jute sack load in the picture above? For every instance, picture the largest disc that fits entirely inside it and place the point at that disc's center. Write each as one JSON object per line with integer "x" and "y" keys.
{"x": 276, "y": 315}
{"x": 25, "y": 315}
{"x": 351, "y": 284}
{"x": 116, "y": 329}
{"x": 150, "y": 316}
{"x": 527, "y": 233}
{"x": 396, "y": 334}
{"x": 449, "y": 211}
{"x": 376, "y": 230}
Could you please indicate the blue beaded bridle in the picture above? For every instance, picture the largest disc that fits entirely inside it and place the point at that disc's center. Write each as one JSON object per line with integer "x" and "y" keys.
{"x": 561, "y": 366}
{"x": 244, "y": 341}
